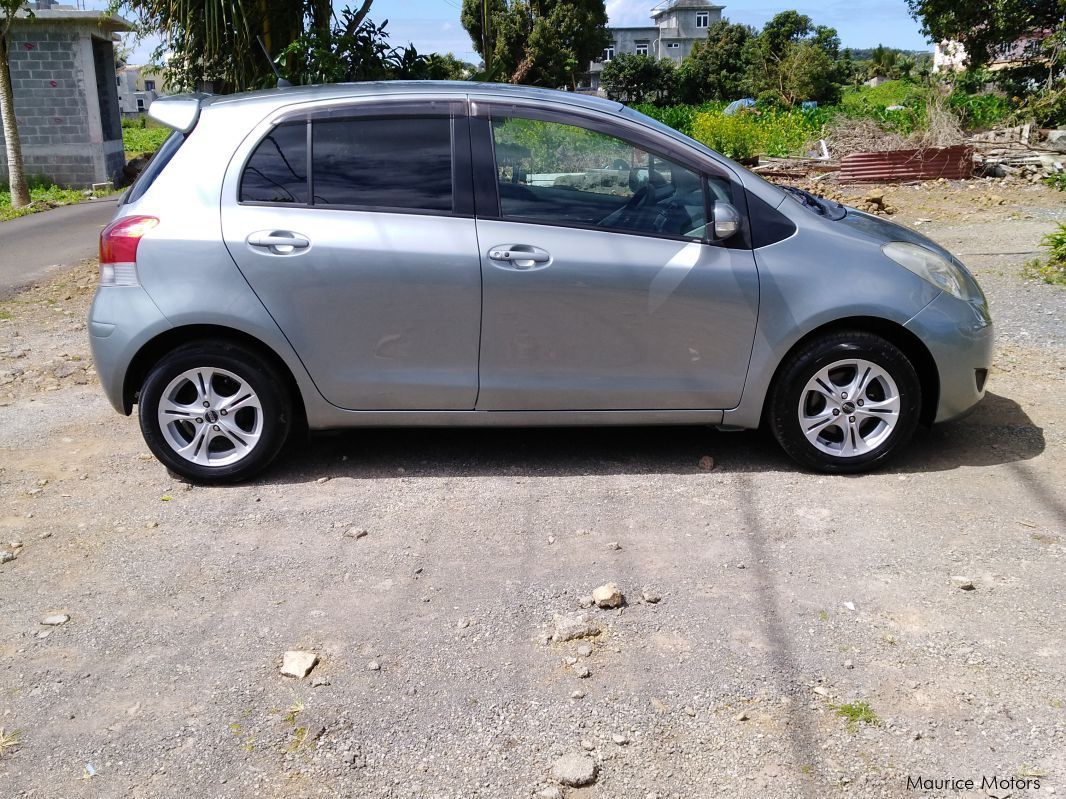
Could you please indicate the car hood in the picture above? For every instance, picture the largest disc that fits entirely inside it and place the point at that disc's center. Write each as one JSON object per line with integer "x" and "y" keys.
{"x": 884, "y": 231}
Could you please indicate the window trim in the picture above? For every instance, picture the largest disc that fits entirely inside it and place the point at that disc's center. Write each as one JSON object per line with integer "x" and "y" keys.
{"x": 486, "y": 185}
{"x": 706, "y": 19}
{"x": 461, "y": 153}
{"x": 642, "y": 48}
{"x": 608, "y": 53}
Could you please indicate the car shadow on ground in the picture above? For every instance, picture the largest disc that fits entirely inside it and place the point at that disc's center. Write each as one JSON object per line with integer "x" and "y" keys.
{"x": 999, "y": 431}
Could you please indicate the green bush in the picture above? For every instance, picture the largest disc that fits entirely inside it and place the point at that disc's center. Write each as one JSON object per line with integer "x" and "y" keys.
{"x": 980, "y": 110}
{"x": 746, "y": 134}
{"x": 1053, "y": 269}
{"x": 144, "y": 140}
{"x": 1056, "y": 181}
{"x": 738, "y": 135}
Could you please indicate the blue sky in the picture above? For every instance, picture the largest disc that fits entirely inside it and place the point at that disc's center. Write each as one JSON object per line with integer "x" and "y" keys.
{"x": 433, "y": 25}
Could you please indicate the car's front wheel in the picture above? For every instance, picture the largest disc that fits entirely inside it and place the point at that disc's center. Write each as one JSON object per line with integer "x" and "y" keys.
{"x": 846, "y": 402}
{"x": 214, "y": 412}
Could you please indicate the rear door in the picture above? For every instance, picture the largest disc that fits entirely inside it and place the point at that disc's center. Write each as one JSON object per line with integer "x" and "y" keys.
{"x": 354, "y": 226}
{"x": 601, "y": 288}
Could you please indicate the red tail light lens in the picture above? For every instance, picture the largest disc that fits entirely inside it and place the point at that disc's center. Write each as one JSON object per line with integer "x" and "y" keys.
{"x": 120, "y": 239}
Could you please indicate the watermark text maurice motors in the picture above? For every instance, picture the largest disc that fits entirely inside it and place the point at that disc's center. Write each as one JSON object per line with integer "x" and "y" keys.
{"x": 993, "y": 782}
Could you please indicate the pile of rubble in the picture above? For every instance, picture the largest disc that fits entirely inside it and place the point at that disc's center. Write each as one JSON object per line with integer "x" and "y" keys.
{"x": 1020, "y": 152}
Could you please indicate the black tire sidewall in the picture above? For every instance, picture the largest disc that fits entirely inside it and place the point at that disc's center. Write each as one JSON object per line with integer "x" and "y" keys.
{"x": 250, "y": 367}
{"x": 784, "y": 419}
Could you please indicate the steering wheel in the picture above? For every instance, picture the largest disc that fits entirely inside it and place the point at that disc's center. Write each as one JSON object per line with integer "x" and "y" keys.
{"x": 644, "y": 197}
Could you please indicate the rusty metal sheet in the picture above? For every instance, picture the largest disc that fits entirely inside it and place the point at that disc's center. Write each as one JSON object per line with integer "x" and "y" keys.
{"x": 951, "y": 163}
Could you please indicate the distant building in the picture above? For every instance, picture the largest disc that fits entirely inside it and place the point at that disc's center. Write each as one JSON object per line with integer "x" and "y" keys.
{"x": 138, "y": 86}
{"x": 66, "y": 101}
{"x": 950, "y": 56}
{"x": 679, "y": 24}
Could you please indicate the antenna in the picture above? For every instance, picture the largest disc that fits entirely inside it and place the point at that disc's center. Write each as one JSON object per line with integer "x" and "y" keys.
{"x": 282, "y": 83}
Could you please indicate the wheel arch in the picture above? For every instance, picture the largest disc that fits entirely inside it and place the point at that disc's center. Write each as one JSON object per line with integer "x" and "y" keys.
{"x": 892, "y": 332}
{"x": 157, "y": 348}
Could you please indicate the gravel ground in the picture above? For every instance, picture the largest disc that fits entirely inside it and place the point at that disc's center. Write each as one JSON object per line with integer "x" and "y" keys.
{"x": 786, "y": 599}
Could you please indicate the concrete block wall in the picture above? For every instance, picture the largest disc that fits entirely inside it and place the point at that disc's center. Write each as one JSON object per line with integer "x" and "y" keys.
{"x": 54, "y": 74}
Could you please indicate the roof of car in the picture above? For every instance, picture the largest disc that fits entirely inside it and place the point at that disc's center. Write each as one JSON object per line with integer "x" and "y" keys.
{"x": 339, "y": 91}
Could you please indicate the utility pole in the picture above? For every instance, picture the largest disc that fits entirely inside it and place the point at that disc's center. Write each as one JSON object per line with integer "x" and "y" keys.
{"x": 485, "y": 38}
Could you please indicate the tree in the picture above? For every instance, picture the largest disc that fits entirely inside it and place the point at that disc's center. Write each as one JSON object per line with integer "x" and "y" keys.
{"x": 538, "y": 42}
{"x": 715, "y": 68}
{"x": 792, "y": 60}
{"x": 16, "y": 172}
{"x": 351, "y": 48}
{"x": 637, "y": 79}
{"x": 215, "y": 41}
{"x": 984, "y": 28}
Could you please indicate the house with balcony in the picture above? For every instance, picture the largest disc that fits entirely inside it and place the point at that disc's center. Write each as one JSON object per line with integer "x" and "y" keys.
{"x": 679, "y": 24}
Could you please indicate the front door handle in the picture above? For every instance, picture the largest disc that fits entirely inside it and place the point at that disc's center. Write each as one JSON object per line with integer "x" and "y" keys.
{"x": 279, "y": 242}
{"x": 519, "y": 256}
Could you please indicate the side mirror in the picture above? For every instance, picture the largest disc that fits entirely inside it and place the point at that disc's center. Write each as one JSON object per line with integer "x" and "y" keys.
{"x": 726, "y": 220}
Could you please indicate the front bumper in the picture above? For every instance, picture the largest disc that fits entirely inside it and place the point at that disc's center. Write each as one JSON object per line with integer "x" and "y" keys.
{"x": 959, "y": 337}
{"x": 122, "y": 319}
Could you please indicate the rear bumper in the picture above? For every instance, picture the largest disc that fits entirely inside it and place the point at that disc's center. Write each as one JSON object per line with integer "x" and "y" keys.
{"x": 122, "y": 319}
{"x": 959, "y": 337}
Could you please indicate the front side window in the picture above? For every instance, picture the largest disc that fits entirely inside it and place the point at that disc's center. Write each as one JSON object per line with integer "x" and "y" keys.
{"x": 642, "y": 48}
{"x": 673, "y": 45}
{"x": 277, "y": 170}
{"x": 401, "y": 163}
{"x": 701, "y": 19}
{"x": 554, "y": 173}
{"x": 608, "y": 53}
{"x": 149, "y": 85}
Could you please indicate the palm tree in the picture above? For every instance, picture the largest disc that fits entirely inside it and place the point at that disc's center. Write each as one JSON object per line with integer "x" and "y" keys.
{"x": 16, "y": 173}
{"x": 214, "y": 41}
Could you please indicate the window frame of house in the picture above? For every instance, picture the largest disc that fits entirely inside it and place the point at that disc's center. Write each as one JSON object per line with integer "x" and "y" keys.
{"x": 149, "y": 85}
{"x": 608, "y": 53}
{"x": 703, "y": 19}
{"x": 642, "y": 48}
{"x": 673, "y": 45}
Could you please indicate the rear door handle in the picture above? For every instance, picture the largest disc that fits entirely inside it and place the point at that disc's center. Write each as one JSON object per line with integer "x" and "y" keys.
{"x": 279, "y": 242}
{"x": 519, "y": 256}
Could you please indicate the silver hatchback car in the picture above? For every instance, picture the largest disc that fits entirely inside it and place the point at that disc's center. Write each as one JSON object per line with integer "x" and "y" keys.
{"x": 465, "y": 254}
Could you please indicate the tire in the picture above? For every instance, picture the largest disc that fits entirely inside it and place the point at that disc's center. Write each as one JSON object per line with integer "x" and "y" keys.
{"x": 845, "y": 403}
{"x": 215, "y": 412}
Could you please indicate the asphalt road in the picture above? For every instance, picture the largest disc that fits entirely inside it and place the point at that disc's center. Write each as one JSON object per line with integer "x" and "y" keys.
{"x": 33, "y": 246}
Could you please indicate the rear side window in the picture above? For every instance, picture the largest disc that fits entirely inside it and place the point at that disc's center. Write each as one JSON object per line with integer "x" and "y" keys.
{"x": 155, "y": 167}
{"x": 401, "y": 163}
{"x": 277, "y": 170}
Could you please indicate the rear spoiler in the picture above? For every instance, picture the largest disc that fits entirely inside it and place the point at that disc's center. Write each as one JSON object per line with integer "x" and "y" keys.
{"x": 179, "y": 111}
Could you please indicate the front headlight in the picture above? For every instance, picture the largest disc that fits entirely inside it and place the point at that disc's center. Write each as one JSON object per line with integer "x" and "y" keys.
{"x": 930, "y": 266}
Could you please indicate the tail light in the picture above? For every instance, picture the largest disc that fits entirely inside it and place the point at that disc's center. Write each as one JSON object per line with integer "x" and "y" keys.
{"x": 118, "y": 249}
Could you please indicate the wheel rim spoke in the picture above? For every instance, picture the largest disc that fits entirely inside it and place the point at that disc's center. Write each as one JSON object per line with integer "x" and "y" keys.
{"x": 221, "y": 432}
{"x": 849, "y": 408}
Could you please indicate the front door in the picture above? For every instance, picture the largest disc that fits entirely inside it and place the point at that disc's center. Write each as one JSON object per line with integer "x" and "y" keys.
{"x": 601, "y": 290}
{"x": 369, "y": 264}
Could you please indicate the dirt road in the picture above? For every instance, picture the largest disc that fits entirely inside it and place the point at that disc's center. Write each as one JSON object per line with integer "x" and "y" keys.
{"x": 812, "y": 637}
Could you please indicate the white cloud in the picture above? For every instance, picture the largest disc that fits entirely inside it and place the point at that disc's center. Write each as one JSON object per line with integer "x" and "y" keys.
{"x": 629, "y": 12}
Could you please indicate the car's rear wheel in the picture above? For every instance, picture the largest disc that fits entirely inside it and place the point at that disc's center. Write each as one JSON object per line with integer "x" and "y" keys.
{"x": 214, "y": 412}
{"x": 846, "y": 402}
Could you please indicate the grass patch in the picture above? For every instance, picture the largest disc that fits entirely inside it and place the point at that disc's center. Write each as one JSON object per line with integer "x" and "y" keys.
{"x": 1051, "y": 269}
{"x": 143, "y": 141}
{"x": 42, "y": 197}
{"x": 9, "y": 741}
{"x": 1056, "y": 181}
{"x": 857, "y": 713}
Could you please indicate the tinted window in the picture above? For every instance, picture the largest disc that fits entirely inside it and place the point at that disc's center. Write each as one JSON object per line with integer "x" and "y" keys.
{"x": 564, "y": 174}
{"x": 383, "y": 163}
{"x": 277, "y": 170}
{"x": 155, "y": 167}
